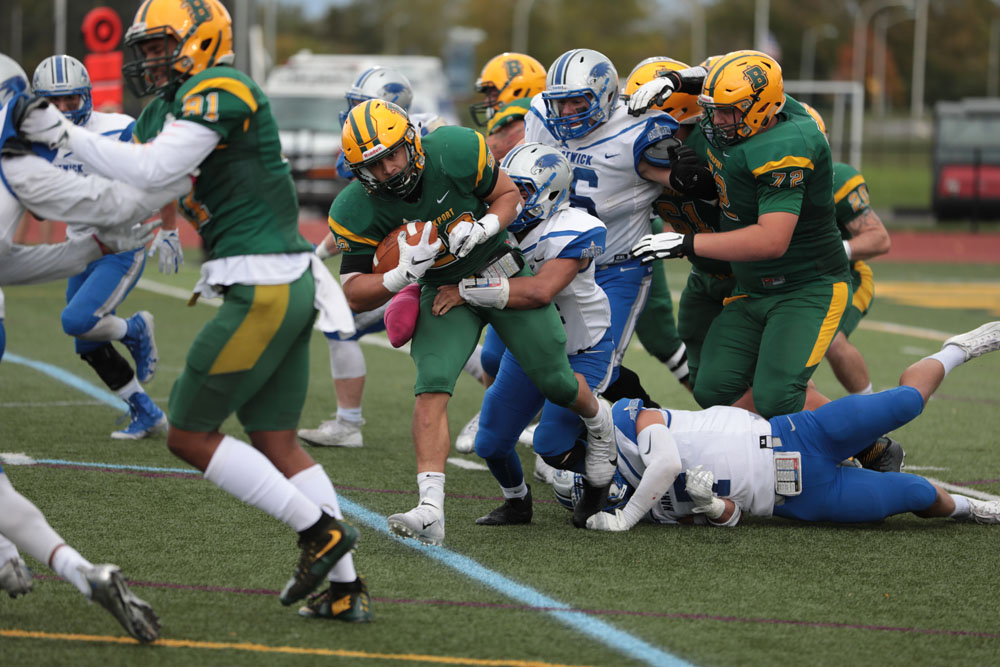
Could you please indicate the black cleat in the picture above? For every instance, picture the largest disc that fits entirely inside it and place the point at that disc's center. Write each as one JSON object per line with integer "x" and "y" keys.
{"x": 322, "y": 546}
{"x": 592, "y": 500}
{"x": 348, "y": 602}
{"x": 513, "y": 511}
{"x": 883, "y": 455}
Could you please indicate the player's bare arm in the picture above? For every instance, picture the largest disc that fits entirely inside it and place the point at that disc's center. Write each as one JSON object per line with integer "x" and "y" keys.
{"x": 869, "y": 237}
{"x": 768, "y": 239}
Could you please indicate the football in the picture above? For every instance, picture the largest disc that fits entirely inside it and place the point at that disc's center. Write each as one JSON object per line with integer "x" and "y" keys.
{"x": 387, "y": 253}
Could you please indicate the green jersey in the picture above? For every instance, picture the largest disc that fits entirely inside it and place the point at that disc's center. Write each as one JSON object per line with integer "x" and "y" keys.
{"x": 459, "y": 172}
{"x": 850, "y": 195}
{"x": 787, "y": 168}
{"x": 690, "y": 215}
{"x": 243, "y": 201}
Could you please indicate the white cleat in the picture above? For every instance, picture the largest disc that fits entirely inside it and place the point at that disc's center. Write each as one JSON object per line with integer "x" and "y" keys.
{"x": 985, "y": 511}
{"x": 543, "y": 471}
{"x": 977, "y": 342}
{"x": 334, "y": 433}
{"x": 15, "y": 577}
{"x": 465, "y": 443}
{"x": 425, "y": 523}
{"x": 601, "y": 452}
{"x": 108, "y": 589}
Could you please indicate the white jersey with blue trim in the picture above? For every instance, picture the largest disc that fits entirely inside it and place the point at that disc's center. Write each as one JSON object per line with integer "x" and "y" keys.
{"x": 116, "y": 125}
{"x": 583, "y": 306}
{"x": 606, "y": 181}
{"x": 733, "y": 443}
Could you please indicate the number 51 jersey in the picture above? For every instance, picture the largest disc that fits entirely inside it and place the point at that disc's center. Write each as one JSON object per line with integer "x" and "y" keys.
{"x": 606, "y": 181}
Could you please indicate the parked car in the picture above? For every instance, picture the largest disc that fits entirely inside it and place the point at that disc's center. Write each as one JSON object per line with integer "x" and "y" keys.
{"x": 966, "y": 159}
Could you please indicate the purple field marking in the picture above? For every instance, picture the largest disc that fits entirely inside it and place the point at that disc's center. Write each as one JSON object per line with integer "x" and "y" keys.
{"x": 589, "y": 612}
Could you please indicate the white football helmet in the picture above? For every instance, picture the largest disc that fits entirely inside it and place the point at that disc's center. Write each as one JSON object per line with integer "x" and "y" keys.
{"x": 568, "y": 487}
{"x": 580, "y": 72}
{"x": 57, "y": 76}
{"x": 379, "y": 83}
{"x": 13, "y": 80}
{"x": 545, "y": 174}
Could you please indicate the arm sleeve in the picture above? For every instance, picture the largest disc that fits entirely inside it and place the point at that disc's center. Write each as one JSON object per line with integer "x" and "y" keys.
{"x": 663, "y": 463}
{"x": 56, "y": 194}
{"x": 25, "y": 265}
{"x": 175, "y": 152}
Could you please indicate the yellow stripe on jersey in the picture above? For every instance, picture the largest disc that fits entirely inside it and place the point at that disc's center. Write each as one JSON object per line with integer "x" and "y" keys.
{"x": 831, "y": 323}
{"x": 846, "y": 188}
{"x": 251, "y": 338}
{"x": 340, "y": 230}
{"x": 865, "y": 292}
{"x": 483, "y": 155}
{"x": 234, "y": 86}
{"x": 790, "y": 161}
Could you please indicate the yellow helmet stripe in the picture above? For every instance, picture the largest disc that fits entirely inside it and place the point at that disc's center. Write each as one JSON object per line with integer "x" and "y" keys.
{"x": 356, "y": 129}
{"x": 790, "y": 161}
{"x": 141, "y": 14}
{"x": 340, "y": 230}
{"x": 483, "y": 154}
{"x": 846, "y": 188}
{"x": 234, "y": 86}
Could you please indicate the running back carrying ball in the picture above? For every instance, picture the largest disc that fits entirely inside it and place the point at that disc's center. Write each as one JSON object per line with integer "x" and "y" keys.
{"x": 387, "y": 254}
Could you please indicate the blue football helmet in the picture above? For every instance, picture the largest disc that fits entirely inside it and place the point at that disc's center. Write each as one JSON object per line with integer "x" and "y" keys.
{"x": 568, "y": 487}
{"x": 13, "y": 80}
{"x": 379, "y": 83}
{"x": 576, "y": 73}
{"x": 57, "y": 76}
{"x": 545, "y": 174}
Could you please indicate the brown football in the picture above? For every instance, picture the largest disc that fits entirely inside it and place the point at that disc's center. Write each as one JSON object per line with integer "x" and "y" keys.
{"x": 387, "y": 254}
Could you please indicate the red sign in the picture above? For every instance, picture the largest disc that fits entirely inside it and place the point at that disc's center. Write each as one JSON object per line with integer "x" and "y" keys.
{"x": 102, "y": 32}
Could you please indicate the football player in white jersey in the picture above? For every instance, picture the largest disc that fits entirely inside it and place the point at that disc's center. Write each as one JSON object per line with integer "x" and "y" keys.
{"x": 561, "y": 245}
{"x": 620, "y": 165}
{"x": 710, "y": 466}
{"x": 31, "y": 182}
{"x": 93, "y": 296}
{"x": 347, "y": 361}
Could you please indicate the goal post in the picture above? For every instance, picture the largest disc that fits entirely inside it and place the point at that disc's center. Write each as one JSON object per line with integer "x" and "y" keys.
{"x": 848, "y": 102}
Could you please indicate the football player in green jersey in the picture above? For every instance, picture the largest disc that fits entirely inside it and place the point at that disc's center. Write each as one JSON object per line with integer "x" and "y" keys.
{"x": 252, "y": 358}
{"x": 773, "y": 175}
{"x": 864, "y": 237}
{"x": 451, "y": 180}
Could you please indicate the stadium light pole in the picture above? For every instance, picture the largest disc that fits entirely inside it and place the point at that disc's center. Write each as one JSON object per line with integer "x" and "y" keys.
{"x": 519, "y": 39}
{"x": 919, "y": 60}
{"x": 699, "y": 50}
{"x": 862, "y": 16}
{"x": 761, "y": 24}
{"x": 810, "y": 37}
{"x": 993, "y": 59}
{"x": 59, "y": 19}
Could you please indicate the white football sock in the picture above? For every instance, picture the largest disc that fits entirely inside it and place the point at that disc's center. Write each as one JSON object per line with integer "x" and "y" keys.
{"x": 24, "y": 524}
{"x": 474, "y": 364}
{"x": 315, "y": 485}
{"x": 244, "y": 472}
{"x": 962, "y": 508}
{"x": 864, "y": 392}
{"x": 520, "y": 491}
{"x": 69, "y": 564}
{"x": 950, "y": 356}
{"x": 109, "y": 327}
{"x": 431, "y": 485}
{"x": 352, "y": 415}
{"x": 133, "y": 387}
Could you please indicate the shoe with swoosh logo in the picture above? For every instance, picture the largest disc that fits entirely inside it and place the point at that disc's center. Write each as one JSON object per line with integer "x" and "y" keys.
{"x": 348, "y": 602}
{"x": 322, "y": 546}
{"x": 424, "y": 523}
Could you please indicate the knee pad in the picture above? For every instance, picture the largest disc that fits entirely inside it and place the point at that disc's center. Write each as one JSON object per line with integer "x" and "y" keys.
{"x": 110, "y": 366}
{"x": 76, "y": 323}
{"x": 572, "y": 459}
{"x": 346, "y": 359}
{"x": 773, "y": 403}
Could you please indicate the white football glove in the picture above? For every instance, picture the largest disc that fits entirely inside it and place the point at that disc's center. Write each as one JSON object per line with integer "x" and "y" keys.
{"x": 662, "y": 246}
{"x": 414, "y": 260}
{"x": 467, "y": 235}
{"x": 127, "y": 236}
{"x": 45, "y": 124}
{"x": 698, "y": 485}
{"x": 649, "y": 94}
{"x": 168, "y": 244}
{"x": 486, "y": 292}
{"x": 614, "y": 522}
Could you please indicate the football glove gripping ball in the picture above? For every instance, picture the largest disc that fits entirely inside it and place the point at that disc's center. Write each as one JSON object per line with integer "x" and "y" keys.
{"x": 414, "y": 260}
{"x": 467, "y": 235}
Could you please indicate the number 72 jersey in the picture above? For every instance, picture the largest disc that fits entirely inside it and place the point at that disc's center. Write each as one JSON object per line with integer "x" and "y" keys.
{"x": 606, "y": 181}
